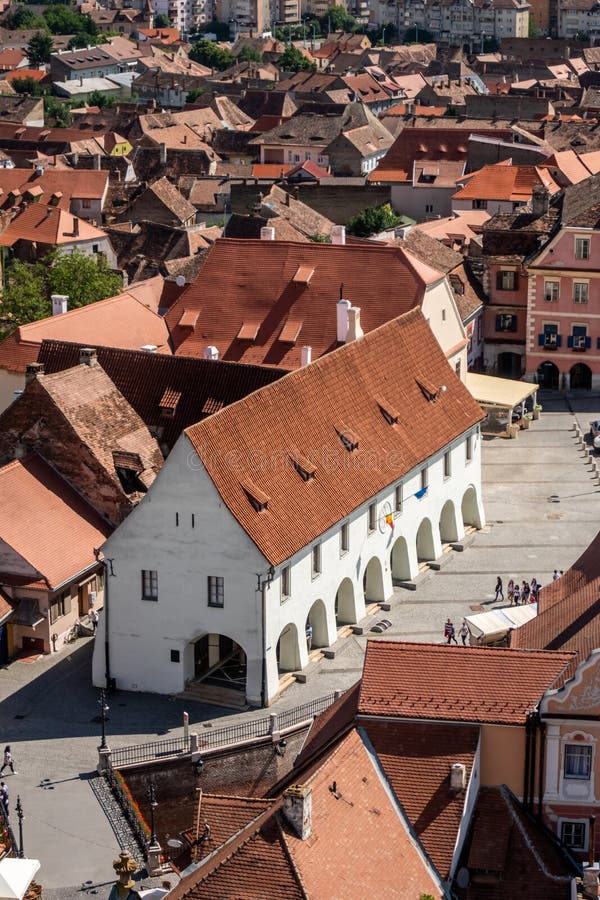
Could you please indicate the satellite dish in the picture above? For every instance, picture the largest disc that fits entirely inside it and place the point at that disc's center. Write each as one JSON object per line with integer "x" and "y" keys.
{"x": 180, "y": 280}
{"x": 463, "y": 878}
{"x": 175, "y": 843}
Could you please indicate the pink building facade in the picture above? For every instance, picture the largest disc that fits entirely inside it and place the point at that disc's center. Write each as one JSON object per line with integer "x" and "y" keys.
{"x": 563, "y": 318}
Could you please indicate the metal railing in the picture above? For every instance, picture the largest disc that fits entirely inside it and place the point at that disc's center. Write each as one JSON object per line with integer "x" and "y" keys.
{"x": 213, "y": 738}
{"x": 132, "y": 815}
{"x": 12, "y": 849}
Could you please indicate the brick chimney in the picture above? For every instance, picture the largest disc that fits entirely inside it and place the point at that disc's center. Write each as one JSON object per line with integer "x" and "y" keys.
{"x": 88, "y": 357}
{"x": 540, "y": 200}
{"x": 297, "y": 809}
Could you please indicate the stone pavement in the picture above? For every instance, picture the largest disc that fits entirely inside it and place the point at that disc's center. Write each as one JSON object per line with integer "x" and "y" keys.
{"x": 48, "y": 709}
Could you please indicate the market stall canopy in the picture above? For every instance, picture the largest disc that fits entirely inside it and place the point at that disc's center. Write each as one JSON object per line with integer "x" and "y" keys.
{"x": 15, "y": 877}
{"x": 492, "y": 626}
{"x": 502, "y": 392}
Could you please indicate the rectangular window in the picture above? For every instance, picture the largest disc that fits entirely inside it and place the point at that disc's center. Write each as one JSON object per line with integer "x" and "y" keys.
{"x": 149, "y": 584}
{"x": 579, "y": 339}
{"x": 399, "y": 496}
{"x": 469, "y": 448}
{"x": 573, "y": 834}
{"x": 578, "y": 761}
{"x": 316, "y": 560}
{"x": 447, "y": 464}
{"x": 506, "y": 281}
{"x": 216, "y": 591}
{"x": 479, "y": 204}
{"x": 175, "y": 656}
{"x": 506, "y": 322}
{"x": 582, "y": 248}
{"x": 344, "y": 538}
{"x": 551, "y": 291}
{"x": 372, "y": 517}
{"x": 428, "y": 208}
{"x": 551, "y": 335}
{"x": 457, "y": 368}
{"x": 424, "y": 478}
{"x": 580, "y": 291}
{"x": 286, "y": 583}
{"x": 86, "y": 203}
{"x": 60, "y": 605}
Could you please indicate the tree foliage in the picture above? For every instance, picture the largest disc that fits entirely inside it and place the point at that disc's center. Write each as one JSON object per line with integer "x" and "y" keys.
{"x": 161, "y": 21}
{"x": 293, "y": 60}
{"x": 207, "y": 53}
{"x": 101, "y": 100}
{"x": 27, "y": 86}
{"x": 59, "y": 111}
{"x": 62, "y": 20}
{"x": 25, "y": 298}
{"x": 337, "y": 18}
{"x": 417, "y": 35}
{"x": 22, "y": 17}
{"x": 38, "y": 49}
{"x": 373, "y": 220}
{"x": 249, "y": 54}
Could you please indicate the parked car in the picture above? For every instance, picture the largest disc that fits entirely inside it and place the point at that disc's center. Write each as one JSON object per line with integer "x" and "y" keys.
{"x": 595, "y": 433}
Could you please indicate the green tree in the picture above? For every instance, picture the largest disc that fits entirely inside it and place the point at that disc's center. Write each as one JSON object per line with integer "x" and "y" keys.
{"x": 193, "y": 95}
{"x": 25, "y": 298}
{"x": 249, "y": 54}
{"x": 372, "y": 221}
{"x": 161, "y": 21}
{"x": 62, "y": 20}
{"x": 532, "y": 28}
{"x": 337, "y": 19}
{"x": 103, "y": 101}
{"x": 38, "y": 49}
{"x": 84, "y": 279}
{"x": 417, "y": 35}
{"x": 221, "y": 29}
{"x": 209, "y": 54}
{"x": 58, "y": 110}
{"x": 293, "y": 60}
{"x": 22, "y": 17}
{"x": 27, "y": 86}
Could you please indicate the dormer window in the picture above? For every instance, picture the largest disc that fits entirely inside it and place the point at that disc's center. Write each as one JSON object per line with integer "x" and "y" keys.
{"x": 248, "y": 331}
{"x": 391, "y": 415}
{"x": 258, "y": 499}
{"x": 290, "y": 331}
{"x": 168, "y": 403}
{"x": 430, "y": 391}
{"x": 348, "y": 438}
{"x": 303, "y": 466}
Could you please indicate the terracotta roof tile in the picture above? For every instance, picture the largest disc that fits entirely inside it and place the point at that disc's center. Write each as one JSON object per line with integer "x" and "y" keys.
{"x": 505, "y": 182}
{"x": 48, "y": 225}
{"x": 46, "y": 522}
{"x": 431, "y": 681}
{"x": 226, "y": 817}
{"x": 305, "y": 410}
{"x": 417, "y": 758}
{"x": 71, "y": 182}
{"x": 243, "y": 279}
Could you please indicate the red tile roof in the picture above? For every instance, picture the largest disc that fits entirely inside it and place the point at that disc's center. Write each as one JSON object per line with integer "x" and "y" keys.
{"x": 121, "y": 320}
{"x": 433, "y": 681}
{"x": 78, "y": 183}
{"x": 505, "y": 182}
{"x": 48, "y": 225}
{"x": 270, "y": 170}
{"x": 309, "y": 410}
{"x": 433, "y": 144}
{"x": 417, "y": 758}
{"x": 36, "y": 74}
{"x": 46, "y": 522}
{"x": 311, "y": 167}
{"x": 226, "y": 817}
{"x": 253, "y": 279}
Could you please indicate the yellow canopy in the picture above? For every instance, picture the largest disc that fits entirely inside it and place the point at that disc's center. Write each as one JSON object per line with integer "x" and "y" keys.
{"x": 504, "y": 392}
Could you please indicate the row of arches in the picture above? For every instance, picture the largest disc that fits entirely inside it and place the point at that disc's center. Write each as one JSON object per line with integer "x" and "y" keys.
{"x": 579, "y": 377}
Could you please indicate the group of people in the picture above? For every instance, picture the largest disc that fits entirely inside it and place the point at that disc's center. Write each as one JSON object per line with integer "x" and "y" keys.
{"x": 518, "y": 594}
{"x": 450, "y": 632}
{"x": 7, "y": 762}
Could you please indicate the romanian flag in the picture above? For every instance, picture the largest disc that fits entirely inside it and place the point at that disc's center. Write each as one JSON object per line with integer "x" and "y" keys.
{"x": 390, "y": 521}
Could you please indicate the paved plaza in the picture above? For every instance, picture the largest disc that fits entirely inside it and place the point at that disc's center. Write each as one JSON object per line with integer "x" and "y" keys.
{"x": 48, "y": 708}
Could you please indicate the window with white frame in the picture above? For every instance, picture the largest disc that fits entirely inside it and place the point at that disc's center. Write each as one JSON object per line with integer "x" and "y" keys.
{"x": 580, "y": 291}
{"x": 506, "y": 280}
{"x": 316, "y": 560}
{"x": 578, "y": 761}
{"x": 372, "y": 524}
{"x": 582, "y": 248}
{"x": 447, "y": 464}
{"x": 574, "y": 835}
{"x": 469, "y": 448}
{"x": 216, "y": 591}
{"x": 551, "y": 291}
{"x": 344, "y": 537}
{"x": 286, "y": 583}
{"x": 398, "y": 497}
{"x": 149, "y": 584}
{"x": 424, "y": 478}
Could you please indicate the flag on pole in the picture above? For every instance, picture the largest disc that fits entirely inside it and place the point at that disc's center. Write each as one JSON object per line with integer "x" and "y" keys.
{"x": 390, "y": 520}
{"x": 421, "y": 493}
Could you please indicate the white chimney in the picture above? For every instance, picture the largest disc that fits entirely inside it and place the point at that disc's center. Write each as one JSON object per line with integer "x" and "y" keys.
{"x": 211, "y": 353}
{"x": 458, "y": 777}
{"x": 354, "y": 329}
{"x": 297, "y": 809}
{"x": 163, "y": 154}
{"x": 338, "y": 234}
{"x": 88, "y": 357}
{"x": 60, "y": 303}
{"x": 267, "y": 234}
{"x": 343, "y": 307}
{"x": 305, "y": 356}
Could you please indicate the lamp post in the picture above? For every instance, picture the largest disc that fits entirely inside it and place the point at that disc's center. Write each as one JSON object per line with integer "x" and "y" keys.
{"x": 104, "y": 707}
{"x": 153, "y": 805}
{"x": 20, "y": 817}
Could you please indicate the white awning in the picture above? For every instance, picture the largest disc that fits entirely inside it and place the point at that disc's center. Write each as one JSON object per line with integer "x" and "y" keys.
{"x": 505, "y": 392}
{"x": 15, "y": 877}
{"x": 496, "y": 623}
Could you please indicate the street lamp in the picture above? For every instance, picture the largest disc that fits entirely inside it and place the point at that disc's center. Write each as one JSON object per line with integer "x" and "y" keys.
{"x": 153, "y": 805}
{"x": 20, "y": 817}
{"x": 104, "y": 708}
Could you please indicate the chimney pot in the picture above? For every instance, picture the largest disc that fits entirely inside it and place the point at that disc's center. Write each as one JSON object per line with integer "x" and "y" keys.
{"x": 163, "y": 154}
{"x": 88, "y": 356}
{"x": 211, "y": 352}
{"x": 297, "y": 809}
{"x": 343, "y": 307}
{"x": 33, "y": 370}
{"x": 60, "y": 304}
{"x": 540, "y": 200}
{"x": 458, "y": 777}
{"x": 97, "y": 159}
{"x": 354, "y": 329}
{"x": 305, "y": 356}
{"x": 338, "y": 234}
{"x": 267, "y": 233}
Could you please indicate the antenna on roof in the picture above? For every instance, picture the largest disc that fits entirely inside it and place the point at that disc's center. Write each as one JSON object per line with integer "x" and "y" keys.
{"x": 342, "y": 291}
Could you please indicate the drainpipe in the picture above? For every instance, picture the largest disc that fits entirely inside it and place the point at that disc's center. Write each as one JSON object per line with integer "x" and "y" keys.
{"x": 534, "y": 725}
{"x": 107, "y": 565}
{"x": 263, "y": 687}
{"x": 542, "y": 758}
{"x": 527, "y": 756}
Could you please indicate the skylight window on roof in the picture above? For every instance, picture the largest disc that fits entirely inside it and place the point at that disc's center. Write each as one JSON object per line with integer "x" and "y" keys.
{"x": 258, "y": 499}
{"x": 249, "y": 330}
{"x": 348, "y": 437}
{"x": 290, "y": 331}
{"x": 168, "y": 402}
{"x": 303, "y": 466}
{"x": 212, "y": 405}
{"x": 188, "y": 318}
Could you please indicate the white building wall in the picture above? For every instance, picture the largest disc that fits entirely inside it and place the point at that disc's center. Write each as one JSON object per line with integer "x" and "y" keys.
{"x": 143, "y": 633}
{"x": 440, "y": 310}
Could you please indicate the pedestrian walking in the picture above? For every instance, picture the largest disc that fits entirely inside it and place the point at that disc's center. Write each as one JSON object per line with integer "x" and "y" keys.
{"x": 499, "y": 591}
{"x": 94, "y": 617}
{"x": 464, "y": 630}
{"x": 510, "y": 591}
{"x": 309, "y": 634}
{"x": 517, "y": 593}
{"x": 8, "y": 761}
{"x": 4, "y": 796}
{"x": 526, "y": 592}
{"x": 450, "y": 632}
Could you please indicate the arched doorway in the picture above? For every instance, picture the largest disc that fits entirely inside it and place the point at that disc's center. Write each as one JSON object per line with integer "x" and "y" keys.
{"x": 547, "y": 375}
{"x": 317, "y": 619}
{"x": 288, "y": 649}
{"x": 219, "y": 662}
{"x": 373, "y": 582}
{"x": 399, "y": 560}
{"x": 448, "y": 523}
{"x": 425, "y": 544}
{"x": 509, "y": 365}
{"x": 580, "y": 377}
{"x": 469, "y": 508}
{"x": 345, "y": 607}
